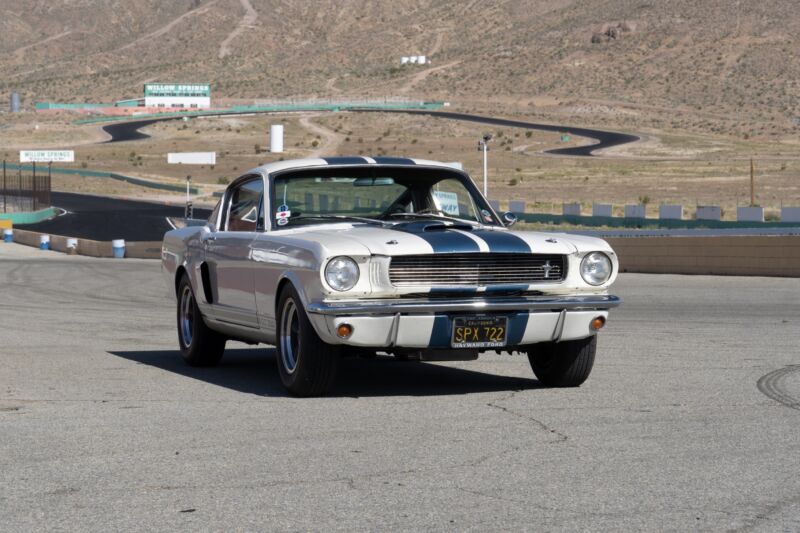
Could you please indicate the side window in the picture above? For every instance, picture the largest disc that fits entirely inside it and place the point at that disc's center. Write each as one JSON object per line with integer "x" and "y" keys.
{"x": 245, "y": 206}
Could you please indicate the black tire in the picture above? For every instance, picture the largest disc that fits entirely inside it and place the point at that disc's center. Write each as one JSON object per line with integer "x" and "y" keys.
{"x": 307, "y": 365}
{"x": 563, "y": 364}
{"x": 200, "y": 345}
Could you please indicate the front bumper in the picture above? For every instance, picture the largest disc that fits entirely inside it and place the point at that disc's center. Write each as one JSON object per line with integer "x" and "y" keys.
{"x": 426, "y": 323}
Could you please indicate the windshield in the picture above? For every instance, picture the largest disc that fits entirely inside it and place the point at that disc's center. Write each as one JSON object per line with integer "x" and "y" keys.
{"x": 384, "y": 194}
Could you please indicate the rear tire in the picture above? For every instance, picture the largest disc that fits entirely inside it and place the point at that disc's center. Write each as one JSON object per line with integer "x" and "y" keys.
{"x": 200, "y": 345}
{"x": 306, "y": 364}
{"x": 563, "y": 364}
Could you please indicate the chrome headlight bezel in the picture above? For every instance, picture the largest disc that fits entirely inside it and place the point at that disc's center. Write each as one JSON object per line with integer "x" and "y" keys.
{"x": 595, "y": 263}
{"x": 342, "y": 273}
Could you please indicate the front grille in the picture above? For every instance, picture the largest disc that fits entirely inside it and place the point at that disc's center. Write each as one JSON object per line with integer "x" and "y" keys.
{"x": 475, "y": 269}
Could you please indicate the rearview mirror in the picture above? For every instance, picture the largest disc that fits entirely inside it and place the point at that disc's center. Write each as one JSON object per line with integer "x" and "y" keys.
{"x": 509, "y": 218}
{"x": 366, "y": 182}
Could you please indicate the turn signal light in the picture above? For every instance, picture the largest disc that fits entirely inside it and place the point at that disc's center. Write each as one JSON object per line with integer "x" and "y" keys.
{"x": 597, "y": 323}
{"x": 344, "y": 330}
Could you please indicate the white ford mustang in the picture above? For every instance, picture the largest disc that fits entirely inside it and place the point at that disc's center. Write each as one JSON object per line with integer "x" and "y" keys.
{"x": 356, "y": 255}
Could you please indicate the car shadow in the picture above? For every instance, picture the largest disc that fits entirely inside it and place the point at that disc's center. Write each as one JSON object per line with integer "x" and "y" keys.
{"x": 253, "y": 371}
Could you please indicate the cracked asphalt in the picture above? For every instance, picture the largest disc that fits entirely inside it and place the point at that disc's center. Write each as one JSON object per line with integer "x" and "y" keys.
{"x": 688, "y": 422}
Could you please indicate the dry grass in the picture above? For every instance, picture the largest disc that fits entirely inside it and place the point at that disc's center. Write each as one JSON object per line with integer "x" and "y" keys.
{"x": 665, "y": 168}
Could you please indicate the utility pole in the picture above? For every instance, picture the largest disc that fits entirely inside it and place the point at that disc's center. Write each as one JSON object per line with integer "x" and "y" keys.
{"x": 483, "y": 146}
{"x": 752, "y": 184}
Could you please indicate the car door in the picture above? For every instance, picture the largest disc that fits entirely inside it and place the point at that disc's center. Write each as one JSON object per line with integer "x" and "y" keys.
{"x": 228, "y": 252}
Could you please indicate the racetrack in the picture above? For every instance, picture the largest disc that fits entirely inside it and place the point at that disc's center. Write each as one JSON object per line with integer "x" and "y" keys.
{"x": 129, "y": 131}
{"x": 103, "y": 219}
{"x": 104, "y": 429}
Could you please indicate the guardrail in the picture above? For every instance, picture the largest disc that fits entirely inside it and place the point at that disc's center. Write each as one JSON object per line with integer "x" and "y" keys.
{"x": 670, "y": 216}
{"x": 277, "y": 108}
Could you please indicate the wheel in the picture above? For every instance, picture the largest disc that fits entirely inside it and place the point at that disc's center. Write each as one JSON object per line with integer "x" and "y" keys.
{"x": 306, "y": 364}
{"x": 200, "y": 345}
{"x": 563, "y": 364}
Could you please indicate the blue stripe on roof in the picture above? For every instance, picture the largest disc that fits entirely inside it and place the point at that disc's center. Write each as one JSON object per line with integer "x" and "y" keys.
{"x": 394, "y": 161}
{"x": 347, "y": 160}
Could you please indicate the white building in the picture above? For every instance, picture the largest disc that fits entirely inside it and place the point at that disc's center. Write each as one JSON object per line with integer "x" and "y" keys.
{"x": 177, "y": 95}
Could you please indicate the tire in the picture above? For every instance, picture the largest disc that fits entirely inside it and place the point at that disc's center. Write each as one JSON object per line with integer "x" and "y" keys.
{"x": 563, "y": 364}
{"x": 200, "y": 345}
{"x": 307, "y": 365}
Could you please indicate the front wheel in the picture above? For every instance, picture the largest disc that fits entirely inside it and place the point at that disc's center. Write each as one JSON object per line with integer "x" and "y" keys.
{"x": 306, "y": 364}
{"x": 200, "y": 345}
{"x": 563, "y": 364}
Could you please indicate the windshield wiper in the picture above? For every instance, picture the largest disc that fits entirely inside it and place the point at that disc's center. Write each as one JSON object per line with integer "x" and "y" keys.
{"x": 422, "y": 214}
{"x": 339, "y": 217}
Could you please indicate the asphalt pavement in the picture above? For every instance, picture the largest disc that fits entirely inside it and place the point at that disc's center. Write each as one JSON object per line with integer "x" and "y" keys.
{"x": 129, "y": 131}
{"x": 689, "y": 421}
{"x": 101, "y": 218}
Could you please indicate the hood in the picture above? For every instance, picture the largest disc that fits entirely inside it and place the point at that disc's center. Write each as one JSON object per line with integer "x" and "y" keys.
{"x": 433, "y": 236}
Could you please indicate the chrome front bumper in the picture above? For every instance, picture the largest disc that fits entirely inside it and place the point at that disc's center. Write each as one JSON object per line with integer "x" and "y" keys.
{"x": 466, "y": 305}
{"x": 427, "y": 323}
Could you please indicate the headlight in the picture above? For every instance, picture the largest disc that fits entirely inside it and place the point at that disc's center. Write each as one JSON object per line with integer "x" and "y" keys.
{"x": 596, "y": 268}
{"x": 341, "y": 273}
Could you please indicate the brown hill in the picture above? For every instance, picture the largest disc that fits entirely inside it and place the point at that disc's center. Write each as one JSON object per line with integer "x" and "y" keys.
{"x": 713, "y": 65}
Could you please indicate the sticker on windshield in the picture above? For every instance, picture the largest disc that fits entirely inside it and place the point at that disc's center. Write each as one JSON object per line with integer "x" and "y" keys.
{"x": 447, "y": 202}
{"x": 283, "y": 215}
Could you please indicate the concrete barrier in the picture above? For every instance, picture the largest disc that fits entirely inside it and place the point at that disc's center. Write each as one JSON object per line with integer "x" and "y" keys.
{"x": 58, "y": 243}
{"x": 790, "y": 214}
{"x": 571, "y": 209}
{"x": 670, "y": 212}
{"x": 516, "y": 206}
{"x": 602, "y": 210}
{"x": 750, "y": 214}
{"x": 740, "y": 256}
{"x": 708, "y": 212}
{"x": 636, "y": 211}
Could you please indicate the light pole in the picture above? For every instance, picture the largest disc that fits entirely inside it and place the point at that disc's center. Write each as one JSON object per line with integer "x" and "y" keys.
{"x": 189, "y": 210}
{"x": 483, "y": 146}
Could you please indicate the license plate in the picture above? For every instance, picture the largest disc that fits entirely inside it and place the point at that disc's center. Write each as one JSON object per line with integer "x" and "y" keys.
{"x": 479, "y": 332}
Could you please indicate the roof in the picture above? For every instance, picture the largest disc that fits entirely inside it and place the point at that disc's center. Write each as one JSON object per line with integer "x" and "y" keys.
{"x": 349, "y": 161}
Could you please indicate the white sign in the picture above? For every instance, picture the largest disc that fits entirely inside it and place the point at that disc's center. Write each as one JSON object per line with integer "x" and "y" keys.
{"x": 448, "y": 202}
{"x": 46, "y": 156}
{"x": 276, "y": 138}
{"x": 192, "y": 158}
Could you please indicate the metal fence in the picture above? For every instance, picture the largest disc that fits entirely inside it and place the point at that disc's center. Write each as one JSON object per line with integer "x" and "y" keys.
{"x": 25, "y": 192}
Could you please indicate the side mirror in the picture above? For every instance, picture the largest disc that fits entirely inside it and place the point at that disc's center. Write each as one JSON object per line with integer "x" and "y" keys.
{"x": 509, "y": 218}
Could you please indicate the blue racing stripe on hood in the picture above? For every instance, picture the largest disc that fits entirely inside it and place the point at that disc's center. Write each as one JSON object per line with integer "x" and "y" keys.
{"x": 442, "y": 241}
{"x": 345, "y": 160}
{"x": 394, "y": 161}
{"x": 503, "y": 242}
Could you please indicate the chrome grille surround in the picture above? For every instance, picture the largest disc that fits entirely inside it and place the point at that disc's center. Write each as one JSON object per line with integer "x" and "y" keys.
{"x": 476, "y": 269}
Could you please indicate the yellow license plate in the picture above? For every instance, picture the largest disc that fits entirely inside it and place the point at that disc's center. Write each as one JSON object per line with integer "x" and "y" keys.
{"x": 479, "y": 332}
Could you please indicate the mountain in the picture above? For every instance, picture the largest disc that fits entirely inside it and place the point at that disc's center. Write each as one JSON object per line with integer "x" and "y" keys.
{"x": 722, "y": 66}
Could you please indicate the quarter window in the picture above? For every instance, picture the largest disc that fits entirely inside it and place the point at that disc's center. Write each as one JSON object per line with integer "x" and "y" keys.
{"x": 245, "y": 206}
